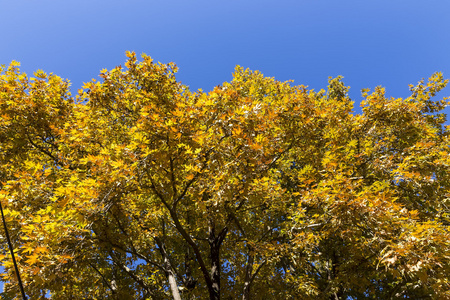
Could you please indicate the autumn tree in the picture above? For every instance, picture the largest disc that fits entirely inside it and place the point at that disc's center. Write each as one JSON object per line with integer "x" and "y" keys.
{"x": 138, "y": 188}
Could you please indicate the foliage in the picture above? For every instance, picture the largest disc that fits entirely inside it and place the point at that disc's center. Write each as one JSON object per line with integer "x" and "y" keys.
{"x": 138, "y": 188}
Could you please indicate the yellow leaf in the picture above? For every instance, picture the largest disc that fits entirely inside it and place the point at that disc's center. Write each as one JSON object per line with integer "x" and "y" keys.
{"x": 40, "y": 249}
{"x": 177, "y": 113}
{"x": 28, "y": 249}
{"x": 32, "y": 259}
{"x": 256, "y": 146}
{"x": 237, "y": 131}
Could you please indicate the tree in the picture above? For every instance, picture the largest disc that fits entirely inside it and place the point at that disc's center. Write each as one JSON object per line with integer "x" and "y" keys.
{"x": 138, "y": 188}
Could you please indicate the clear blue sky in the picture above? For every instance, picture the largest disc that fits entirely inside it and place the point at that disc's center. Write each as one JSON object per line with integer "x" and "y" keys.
{"x": 370, "y": 42}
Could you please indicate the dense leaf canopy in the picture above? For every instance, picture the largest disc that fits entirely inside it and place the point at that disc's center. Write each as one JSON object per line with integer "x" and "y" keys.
{"x": 138, "y": 188}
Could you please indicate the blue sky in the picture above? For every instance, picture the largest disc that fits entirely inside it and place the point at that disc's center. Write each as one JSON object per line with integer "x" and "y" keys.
{"x": 369, "y": 42}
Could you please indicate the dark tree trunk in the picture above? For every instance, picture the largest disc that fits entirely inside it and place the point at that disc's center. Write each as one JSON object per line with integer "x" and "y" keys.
{"x": 248, "y": 277}
{"x": 214, "y": 245}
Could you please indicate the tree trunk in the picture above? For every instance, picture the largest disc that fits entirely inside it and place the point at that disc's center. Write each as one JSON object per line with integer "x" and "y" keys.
{"x": 214, "y": 245}
{"x": 215, "y": 271}
{"x": 248, "y": 278}
{"x": 249, "y": 274}
{"x": 168, "y": 270}
{"x": 173, "y": 286}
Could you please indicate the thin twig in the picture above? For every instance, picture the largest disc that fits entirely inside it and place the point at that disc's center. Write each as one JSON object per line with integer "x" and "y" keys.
{"x": 12, "y": 255}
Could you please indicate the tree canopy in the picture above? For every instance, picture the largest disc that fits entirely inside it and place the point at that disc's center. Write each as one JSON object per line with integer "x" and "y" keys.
{"x": 138, "y": 188}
